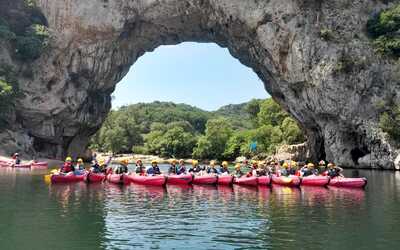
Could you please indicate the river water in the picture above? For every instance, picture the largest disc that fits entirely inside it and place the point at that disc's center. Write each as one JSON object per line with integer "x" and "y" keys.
{"x": 36, "y": 215}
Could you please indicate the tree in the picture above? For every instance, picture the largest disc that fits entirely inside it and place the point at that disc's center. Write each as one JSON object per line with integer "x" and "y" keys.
{"x": 271, "y": 113}
{"x": 292, "y": 134}
{"x": 218, "y": 132}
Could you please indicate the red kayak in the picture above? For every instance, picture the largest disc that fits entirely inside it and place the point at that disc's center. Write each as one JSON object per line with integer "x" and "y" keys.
{"x": 348, "y": 182}
{"x": 205, "y": 179}
{"x": 66, "y": 178}
{"x": 180, "y": 179}
{"x": 264, "y": 180}
{"x": 95, "y": 177}
{"x": 157, "y": 180}
{"x": 39, "y": 165}
{"x": 248, "y": 181}
{"x": 314, "y": 180}
{"x": 225, "y": 180}
{"x": 290, "y": 181}
{"x": 116, "y": 178}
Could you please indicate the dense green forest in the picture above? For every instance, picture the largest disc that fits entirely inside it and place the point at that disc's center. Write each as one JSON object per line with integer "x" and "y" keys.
{"x": 179, "y": 130}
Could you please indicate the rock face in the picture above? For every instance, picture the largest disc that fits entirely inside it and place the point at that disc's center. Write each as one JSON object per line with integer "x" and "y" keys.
{"x": 313, "y": 56}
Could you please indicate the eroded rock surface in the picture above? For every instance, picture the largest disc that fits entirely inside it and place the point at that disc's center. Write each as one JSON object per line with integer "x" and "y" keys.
{"x": 313, "y": 56}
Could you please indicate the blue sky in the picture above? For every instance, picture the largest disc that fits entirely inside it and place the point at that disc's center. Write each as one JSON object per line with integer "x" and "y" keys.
{"x": 200, "y": 74}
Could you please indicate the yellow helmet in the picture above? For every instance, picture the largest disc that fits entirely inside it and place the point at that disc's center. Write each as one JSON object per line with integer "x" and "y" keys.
{"x": 154, "y": 162}
{"x": 285, "y": 165}
{"x": 310, "y": 165}
{"x": 173, "y": 161}
{"x": 225, "y": 163}
{"x": 124, "y": 162}
{"x": 330, "y": 164}
{"x": 102, "y": 162}
{"x": 293, "y": 163}
{"x": 195, "y": 162}
{"x": 68, "y": 158}
{"x": 181, "y": 161}
{"x": 237, "y": 166}
{"x": 80, "y": 160}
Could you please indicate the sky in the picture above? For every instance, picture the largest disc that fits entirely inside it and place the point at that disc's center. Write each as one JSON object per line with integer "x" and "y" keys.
{"x": 200, "y": 74}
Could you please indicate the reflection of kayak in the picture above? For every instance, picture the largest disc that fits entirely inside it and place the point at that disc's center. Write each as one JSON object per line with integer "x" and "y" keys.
{"x": 264, "y": 180}
{"x": 24, "y": 165}
{"x": 348, "y": 182}
{"x": 179, "y": 179}
{"x": 95, "y": 177}
{"x": 291, "y": 181}
{"x": 205, "y": 179}
{"x": 39, "y": 165}
{"x": 249, "y": 181}
{"x": 68, "y": 178}
{"x": 225, "y": 180}
{"x": 314, "y": 180}
{"x": 157, "y": 180}
{"x": 116, "y": 178}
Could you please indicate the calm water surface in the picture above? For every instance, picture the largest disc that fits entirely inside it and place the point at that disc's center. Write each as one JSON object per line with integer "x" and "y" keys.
{"x": 36, "y": 215}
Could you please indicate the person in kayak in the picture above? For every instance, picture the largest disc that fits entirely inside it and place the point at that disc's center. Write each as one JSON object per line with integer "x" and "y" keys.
{"x": 16, "y": 159}
{"x": 79, "y": 168}
{"x": 195, "y": 169}
{"x": 238, "y": 171}
{"x": 284, "y": 171}
{"x": 253, "y": 169}
{"x": 122, "y": 168}
{"x": 173, "y": 169}
{"x": 67, "y": 166}
{"x": 321, "y": 166}
{"x": 292, "y": 168}
{"x": 140, "y": 168}
{"x": 95, "y": 168}
{"x": 263, "y": 169}
{"x": 181, "y": 168}
{"x": 307, "y": 170}
{"x": 212, "y": 169}
{"x": 154, "y": 169}
{"x": 334, "y": 171}
{"x": 223, "y": 170}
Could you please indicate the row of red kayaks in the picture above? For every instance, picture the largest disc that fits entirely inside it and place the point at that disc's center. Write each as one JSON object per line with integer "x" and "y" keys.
{"x": 160, "y": 180}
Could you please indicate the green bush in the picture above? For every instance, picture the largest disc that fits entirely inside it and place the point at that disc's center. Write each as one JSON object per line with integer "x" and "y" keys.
{"x": 6, "y": 33}
{"x": 32, "y": 44}
{"x": 383, "y": 28}
{"x": 390, "y": 122}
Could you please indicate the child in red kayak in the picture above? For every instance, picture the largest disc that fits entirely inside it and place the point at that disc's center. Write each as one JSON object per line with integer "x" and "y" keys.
{"x": 140, "y": 168}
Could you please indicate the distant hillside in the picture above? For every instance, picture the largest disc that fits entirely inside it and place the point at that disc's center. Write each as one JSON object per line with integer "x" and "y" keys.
{"x": 236, "y": 114}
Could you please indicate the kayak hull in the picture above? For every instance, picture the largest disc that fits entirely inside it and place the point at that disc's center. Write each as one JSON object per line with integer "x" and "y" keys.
{"x": 263, "y": 180}
{"x": 205, "y": 180}
{"x": 290, "y": 181}
{"x": 318, "y": 181}
{"x": 95, "y": 177}
{"x": 158, "y": 180}
{"x": 39, "y": 165}
{"x": 348, "y": 182}
{"x": 248, "y": 181}
{"x": 225, "y": 180}
{"x": 180, "y": 179}
{"x": 116, "y": 178}
{"x": 69, "y": 178}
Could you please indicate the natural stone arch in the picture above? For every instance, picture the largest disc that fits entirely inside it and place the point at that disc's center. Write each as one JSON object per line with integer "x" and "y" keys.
{"x": 96, "y": 41}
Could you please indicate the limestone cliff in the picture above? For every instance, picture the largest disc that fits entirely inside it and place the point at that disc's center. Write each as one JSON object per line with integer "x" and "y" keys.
{"x": 314, "y": 58}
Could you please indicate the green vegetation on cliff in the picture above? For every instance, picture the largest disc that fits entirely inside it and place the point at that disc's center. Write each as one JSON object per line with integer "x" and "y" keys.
{"x": 8, "y": 93}
{"x": 390, "y": 121}
{"x": 384, "y": 27}
{"x": 25, "y": 30}
{"x": 180, "y": 130}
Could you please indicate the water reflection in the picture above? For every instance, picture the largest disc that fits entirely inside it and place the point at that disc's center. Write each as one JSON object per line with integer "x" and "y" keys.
{"x": 82, "y": 216}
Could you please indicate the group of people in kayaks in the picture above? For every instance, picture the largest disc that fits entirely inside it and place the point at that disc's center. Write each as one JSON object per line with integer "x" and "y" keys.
{"x": 272, "y": 169}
